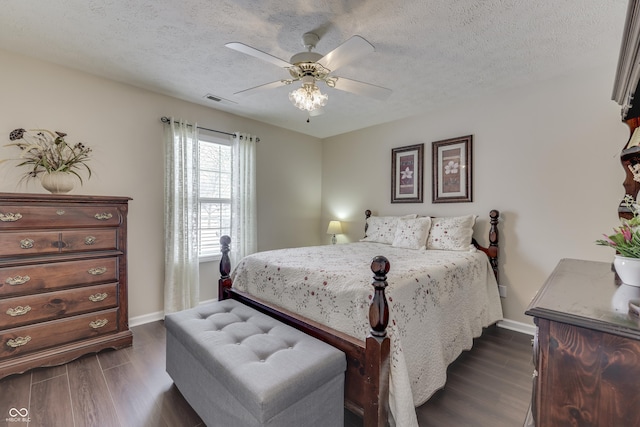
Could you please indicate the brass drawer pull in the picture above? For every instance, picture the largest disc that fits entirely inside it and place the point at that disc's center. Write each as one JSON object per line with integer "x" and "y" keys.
{"x": 26, "y": 243}
{"x": 103, "y": 216}
{"x": 98, "y": 297}
{"x": 98, "y": 323}
{"x": 18, "y": 341}
{"x": 97, "y": 271}
{"x": 10, "y": 217}
{"x": 18, "y": 311}
{"x": 89, "y": 240}
{"x": 18, "y": 280}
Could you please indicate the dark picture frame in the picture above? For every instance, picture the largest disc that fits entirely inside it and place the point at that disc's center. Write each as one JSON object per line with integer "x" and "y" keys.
{"x": 407, "y": 167}
{"x": 452, "y": 170}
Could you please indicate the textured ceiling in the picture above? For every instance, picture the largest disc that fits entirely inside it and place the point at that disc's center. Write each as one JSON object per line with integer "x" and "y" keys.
{"x": 429, "y": 52}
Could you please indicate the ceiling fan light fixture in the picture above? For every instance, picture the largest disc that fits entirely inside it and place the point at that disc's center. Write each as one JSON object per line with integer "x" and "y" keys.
{"x": 308, "y": 97}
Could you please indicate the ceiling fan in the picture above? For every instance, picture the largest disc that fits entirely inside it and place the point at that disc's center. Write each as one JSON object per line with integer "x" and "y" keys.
{"x": 311, "y": 67}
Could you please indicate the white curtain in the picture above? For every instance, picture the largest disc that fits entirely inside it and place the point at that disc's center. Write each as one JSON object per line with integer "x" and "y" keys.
{"x": 181, "y": 217}
{"x": 244, "y": 232}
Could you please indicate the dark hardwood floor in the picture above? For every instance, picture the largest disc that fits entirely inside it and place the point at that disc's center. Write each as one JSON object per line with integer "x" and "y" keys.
{"x": 487, "y": 386}
{"x": 490, "y": 385}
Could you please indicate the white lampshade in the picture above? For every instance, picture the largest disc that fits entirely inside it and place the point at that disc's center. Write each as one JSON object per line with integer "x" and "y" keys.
{"x": 334, "y": 227}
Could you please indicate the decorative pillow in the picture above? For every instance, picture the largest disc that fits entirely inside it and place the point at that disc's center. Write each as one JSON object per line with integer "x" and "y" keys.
{"x": 382, "y": 229}
{"x": 452, "y": 233}
{"x": 412, "y": 233}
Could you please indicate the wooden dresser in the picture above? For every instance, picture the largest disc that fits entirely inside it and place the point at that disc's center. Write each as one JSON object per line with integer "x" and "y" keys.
{"x": 587, "y": 349}
{"x": 63, "y": 278}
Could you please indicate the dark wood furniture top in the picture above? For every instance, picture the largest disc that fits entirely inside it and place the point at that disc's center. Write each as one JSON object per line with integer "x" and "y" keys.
{"x": 367, "y": 375}
{"x": 582, "y": 293}
{"x": 586, "y": 349}
{"x": 63, "y": 278}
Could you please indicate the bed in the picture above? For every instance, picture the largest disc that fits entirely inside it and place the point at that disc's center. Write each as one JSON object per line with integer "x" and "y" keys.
{"x": 399, "y": 333}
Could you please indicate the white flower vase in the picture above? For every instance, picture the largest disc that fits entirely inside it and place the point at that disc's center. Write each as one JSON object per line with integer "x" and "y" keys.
{"x": 628, "y": 270}
{"x": 622, "y": 296}
{"x": 57, "y": 182}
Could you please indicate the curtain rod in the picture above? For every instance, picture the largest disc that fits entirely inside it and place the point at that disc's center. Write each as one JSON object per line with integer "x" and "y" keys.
{"x": 165, "y": 119}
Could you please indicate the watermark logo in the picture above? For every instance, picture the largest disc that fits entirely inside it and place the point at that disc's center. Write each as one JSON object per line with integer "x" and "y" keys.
{"x": 18, "y": 415}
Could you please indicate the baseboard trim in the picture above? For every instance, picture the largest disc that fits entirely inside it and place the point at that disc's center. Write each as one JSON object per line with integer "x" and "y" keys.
{"x": 158, "y": 315}
{"x": 146, "y": 318}
{"x": 512, "y": 325}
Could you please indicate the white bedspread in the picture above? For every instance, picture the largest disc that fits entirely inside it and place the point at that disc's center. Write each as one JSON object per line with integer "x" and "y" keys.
{"x": 438, "y": 301}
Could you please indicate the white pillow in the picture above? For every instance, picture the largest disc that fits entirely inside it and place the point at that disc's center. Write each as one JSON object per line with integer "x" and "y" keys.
{"x": 452, "y": 233}
{"x": 382, "y": 229}
{"x": 412, "y": 233}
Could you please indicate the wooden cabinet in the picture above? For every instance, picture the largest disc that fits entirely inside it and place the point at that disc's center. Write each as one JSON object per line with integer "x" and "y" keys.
{"x": 587, "y": 349}
{"x": 626, "y": 92}
{"x": 63, "y": 278}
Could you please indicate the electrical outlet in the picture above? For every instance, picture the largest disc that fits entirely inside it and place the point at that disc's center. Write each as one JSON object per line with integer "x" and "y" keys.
{"x": 502, "y": 290}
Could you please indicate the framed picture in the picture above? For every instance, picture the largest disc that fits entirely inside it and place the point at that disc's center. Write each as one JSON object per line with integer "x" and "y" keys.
{"x": 452, "y": 170}
{"x": 406, "y": 174}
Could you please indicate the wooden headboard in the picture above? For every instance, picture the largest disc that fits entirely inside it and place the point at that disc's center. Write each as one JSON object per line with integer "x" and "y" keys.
{"x": 491, "y": 250}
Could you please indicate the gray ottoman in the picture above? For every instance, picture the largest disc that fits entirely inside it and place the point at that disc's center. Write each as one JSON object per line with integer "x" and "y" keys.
{"x": 238, "y": 367}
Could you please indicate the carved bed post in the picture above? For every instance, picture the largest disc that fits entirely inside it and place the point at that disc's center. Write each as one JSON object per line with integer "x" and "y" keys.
{"x": 494, "y": 216}
{"x": 367, "y": 214}
{"x": 376, "y": 403}
{"x": 224, "y": 283}
{"x": 492, "y": 250}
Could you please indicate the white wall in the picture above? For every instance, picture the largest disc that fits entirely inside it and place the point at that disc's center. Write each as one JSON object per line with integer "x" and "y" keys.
{"x": 122, "y": 124}
{"x": 546, "y": 156}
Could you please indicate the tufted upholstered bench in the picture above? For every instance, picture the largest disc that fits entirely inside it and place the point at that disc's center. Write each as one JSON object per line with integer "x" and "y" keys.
{"x": 238, "y": 367}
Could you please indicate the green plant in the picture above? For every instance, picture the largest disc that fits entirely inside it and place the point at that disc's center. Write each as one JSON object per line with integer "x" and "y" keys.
{"x": 626, "y": 238}
{"x": 46, "y": 151}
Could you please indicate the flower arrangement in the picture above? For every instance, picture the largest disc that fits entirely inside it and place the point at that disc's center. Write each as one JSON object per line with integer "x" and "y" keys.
{"x": 626, "y": 238}
{"x": 46, "y": 151}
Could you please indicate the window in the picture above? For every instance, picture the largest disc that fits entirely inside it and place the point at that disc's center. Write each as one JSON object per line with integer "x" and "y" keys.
{"x": 215, "y": 194}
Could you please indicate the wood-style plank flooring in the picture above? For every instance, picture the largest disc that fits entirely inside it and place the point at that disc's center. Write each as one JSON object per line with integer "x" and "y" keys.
{"x": 487, "y": 386}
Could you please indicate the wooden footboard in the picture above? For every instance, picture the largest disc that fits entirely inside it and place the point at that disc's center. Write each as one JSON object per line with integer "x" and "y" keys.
{"x": 367, "y": 375}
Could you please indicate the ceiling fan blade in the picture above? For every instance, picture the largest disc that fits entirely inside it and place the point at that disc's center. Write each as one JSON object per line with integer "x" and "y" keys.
{"x": 364, "y": 89}
{"x": 261, "y": 88}
{"x": 252, "y": 51}
{"x": 350, "y": 51}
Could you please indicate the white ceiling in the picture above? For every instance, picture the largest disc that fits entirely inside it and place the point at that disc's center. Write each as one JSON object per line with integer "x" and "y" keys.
{"x": 429, "y": 52}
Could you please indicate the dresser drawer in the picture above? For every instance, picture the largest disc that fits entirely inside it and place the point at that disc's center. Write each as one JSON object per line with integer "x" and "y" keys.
{"x": 29, "y": 309}
{"x": 89, "y": 240}
{"x": 26, "y": 216}
{"x": 18, "y": 243}
{"x": 27, "y": 339}
{"x": 41, "y": 277}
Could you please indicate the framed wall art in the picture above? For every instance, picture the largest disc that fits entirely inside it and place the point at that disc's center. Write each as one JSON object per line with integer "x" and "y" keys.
{"x": 452, "y": 164}
{"x": 406, "y": 174}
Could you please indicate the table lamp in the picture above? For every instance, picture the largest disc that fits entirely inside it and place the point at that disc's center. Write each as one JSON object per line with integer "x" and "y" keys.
{"x": 334, "y": 228}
